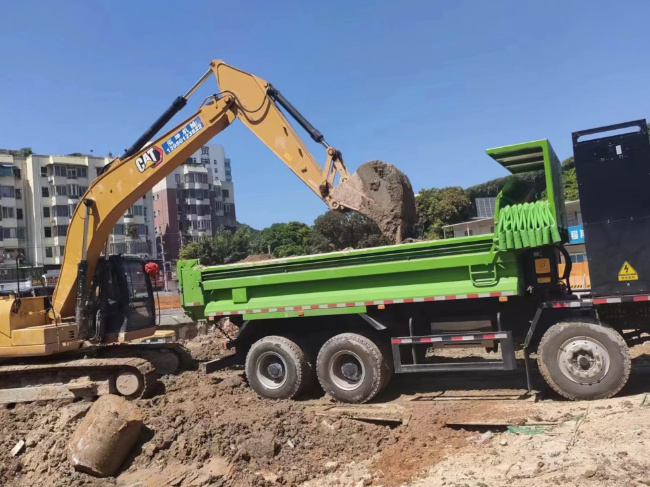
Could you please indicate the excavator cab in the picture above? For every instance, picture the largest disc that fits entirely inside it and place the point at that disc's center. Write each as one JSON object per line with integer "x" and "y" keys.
{"x": 120, "y": 305}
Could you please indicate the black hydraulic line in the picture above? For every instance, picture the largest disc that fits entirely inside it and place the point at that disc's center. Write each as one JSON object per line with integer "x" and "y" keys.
{"x": 82, "y": 274}
{"x": 568, "y": 266}
{"x": 177, "y": 105}
{"x": 314, "y": 133}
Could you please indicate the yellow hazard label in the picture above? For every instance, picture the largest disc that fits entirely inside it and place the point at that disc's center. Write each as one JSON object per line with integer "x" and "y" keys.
{"x": 542, "y": 266}
{"x": 627, "y": 273}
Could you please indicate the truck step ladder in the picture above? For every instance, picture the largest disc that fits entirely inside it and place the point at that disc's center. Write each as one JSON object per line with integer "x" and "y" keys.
{"x": 407, "y": 345}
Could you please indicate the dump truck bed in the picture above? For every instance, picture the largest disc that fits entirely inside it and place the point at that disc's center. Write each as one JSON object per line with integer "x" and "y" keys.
{"x": 349, "y": 281}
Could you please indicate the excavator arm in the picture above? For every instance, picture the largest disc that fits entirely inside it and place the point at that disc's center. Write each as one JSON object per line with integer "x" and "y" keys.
{"x": 377, "y": 190}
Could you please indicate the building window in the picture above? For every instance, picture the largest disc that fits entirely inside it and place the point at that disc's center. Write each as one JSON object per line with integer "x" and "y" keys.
{"x": 72, "y": 173}
{"x": 61, "y": 190}
{"x": 60, "y": 230}
{"x": 7, "y": 191}
{"x": 469, "y": 232}
{"x": 19, "y": 194}
{"x": 218, "y": 206}
{"x": 578, "y": 258}
{"x": 59, "y": 171}
{"x": 19, "y": 213}
{"x": 226, "y": 208}
{"x": 135, "y": 210}
{"x": 178, "y": 178}
{"x": 16, "y": 172}
{"x": 215, "y": 162}
{"x": 118, "y": 229}
{"x": 61, "y": 210}
{"x": 82, "y": 172}
{"x": 9, "y": 233}
{"x": 22, "y": 233}
{"x": 48, "y": 251}
{"x": 7, "y": 212}
{"x": 99, "y": 171}
{"x": 46, "y": 212}
{"x": 44, "y": 171}
{"x": 45, "y": 192}
{"x": 61, "y": 250}
{"x": 205, "y": 160}
{"x": 205, "y": 150}
{"x": 225, "y": 193}
{"x": 48, "y": 232}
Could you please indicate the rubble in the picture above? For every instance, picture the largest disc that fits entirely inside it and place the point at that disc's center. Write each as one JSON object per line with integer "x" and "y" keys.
{"x": 106, "y": 436}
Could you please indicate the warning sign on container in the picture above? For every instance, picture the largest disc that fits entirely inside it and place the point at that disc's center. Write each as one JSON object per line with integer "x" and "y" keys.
{"x": 627, "y": 273}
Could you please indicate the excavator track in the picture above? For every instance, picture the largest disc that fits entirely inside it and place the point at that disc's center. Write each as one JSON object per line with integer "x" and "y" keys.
{"x": 131, "y": 377}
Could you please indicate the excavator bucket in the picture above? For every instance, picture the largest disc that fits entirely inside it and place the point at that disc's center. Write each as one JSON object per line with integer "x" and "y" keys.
{"x": 382, "y": 193}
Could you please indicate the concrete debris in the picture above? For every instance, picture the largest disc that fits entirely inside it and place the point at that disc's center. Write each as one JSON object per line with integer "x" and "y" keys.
{"x": 16, "y": 450}
{"x": 105, "y": 437}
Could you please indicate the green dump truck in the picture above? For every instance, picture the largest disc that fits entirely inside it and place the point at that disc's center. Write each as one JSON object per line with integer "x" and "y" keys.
{"x": 352, "y": 319}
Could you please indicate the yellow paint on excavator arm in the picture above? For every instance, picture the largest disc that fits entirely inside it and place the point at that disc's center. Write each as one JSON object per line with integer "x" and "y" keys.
{"x": 243, "y": 96}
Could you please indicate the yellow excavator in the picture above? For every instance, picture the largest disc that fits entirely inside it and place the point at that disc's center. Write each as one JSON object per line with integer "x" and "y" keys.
{"x": 80, "y": 342}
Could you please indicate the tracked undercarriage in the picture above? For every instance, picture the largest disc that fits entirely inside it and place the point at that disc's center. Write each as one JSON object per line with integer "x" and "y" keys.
{"x": 129, "y": 370}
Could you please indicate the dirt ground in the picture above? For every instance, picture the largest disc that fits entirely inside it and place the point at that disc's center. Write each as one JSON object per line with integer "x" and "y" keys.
{"x": 440, "y": 431}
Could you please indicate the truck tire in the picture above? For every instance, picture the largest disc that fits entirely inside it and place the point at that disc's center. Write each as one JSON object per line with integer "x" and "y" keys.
{"x": 352, "y": 368}
{"x": 277, "y": 368}
{"x": 583, "y": 360}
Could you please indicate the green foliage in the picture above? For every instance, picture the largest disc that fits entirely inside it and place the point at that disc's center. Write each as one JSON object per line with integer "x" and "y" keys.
{"x": 570, "y": 185}
{"x": 26, "y": 151}
{"x": 131, "y": 232}
{"x": 225, "y": 247}
{"x": 568, "y": 163}
{"x": 439, "y": 207}
{"x": 283, "y": 239}
{"x": 535, "y": 181}
{"x": 334, "y": 230}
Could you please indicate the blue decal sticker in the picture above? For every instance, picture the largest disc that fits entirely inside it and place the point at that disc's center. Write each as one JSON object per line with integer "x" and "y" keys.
{"x": 182, "y": 136}
{"x": 576, "y": 234}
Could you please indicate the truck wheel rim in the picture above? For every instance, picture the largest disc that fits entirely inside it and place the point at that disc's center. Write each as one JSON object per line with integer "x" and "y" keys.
{"x": 271, "y": 370}
{"x": 583, "y": 360}
{"x": 347, "y": 370}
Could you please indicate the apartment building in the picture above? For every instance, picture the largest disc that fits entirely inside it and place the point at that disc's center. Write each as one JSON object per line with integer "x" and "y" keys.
{"x": 195, "y": 200}
{"x": 13, "y": 216}
{"x": 38, "y": 196}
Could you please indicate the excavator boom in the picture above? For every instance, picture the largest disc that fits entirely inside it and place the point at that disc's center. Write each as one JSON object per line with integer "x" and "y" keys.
{"x": 377, "y": 190}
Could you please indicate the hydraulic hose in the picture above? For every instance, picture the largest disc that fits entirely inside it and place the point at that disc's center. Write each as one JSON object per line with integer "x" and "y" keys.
{"x": 526, "y": 225}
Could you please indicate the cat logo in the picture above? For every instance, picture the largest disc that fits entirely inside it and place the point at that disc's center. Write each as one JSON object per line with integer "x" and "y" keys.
{"x": 150, "y": 158}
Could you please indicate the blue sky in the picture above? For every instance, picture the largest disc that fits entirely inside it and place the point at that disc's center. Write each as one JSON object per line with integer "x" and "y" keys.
{"x": 425, "y": 85}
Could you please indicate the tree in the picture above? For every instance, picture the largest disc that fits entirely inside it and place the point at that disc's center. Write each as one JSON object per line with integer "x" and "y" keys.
{"x": 534, "y": 181}
{"x": 26, "y": 151}
{"x": 131, "y": 232}
{"x": 283, "y": 239}
{"x": 225, "y": 247}
{"x": 439, "y": 207}
{"x": 334, "y": 230}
